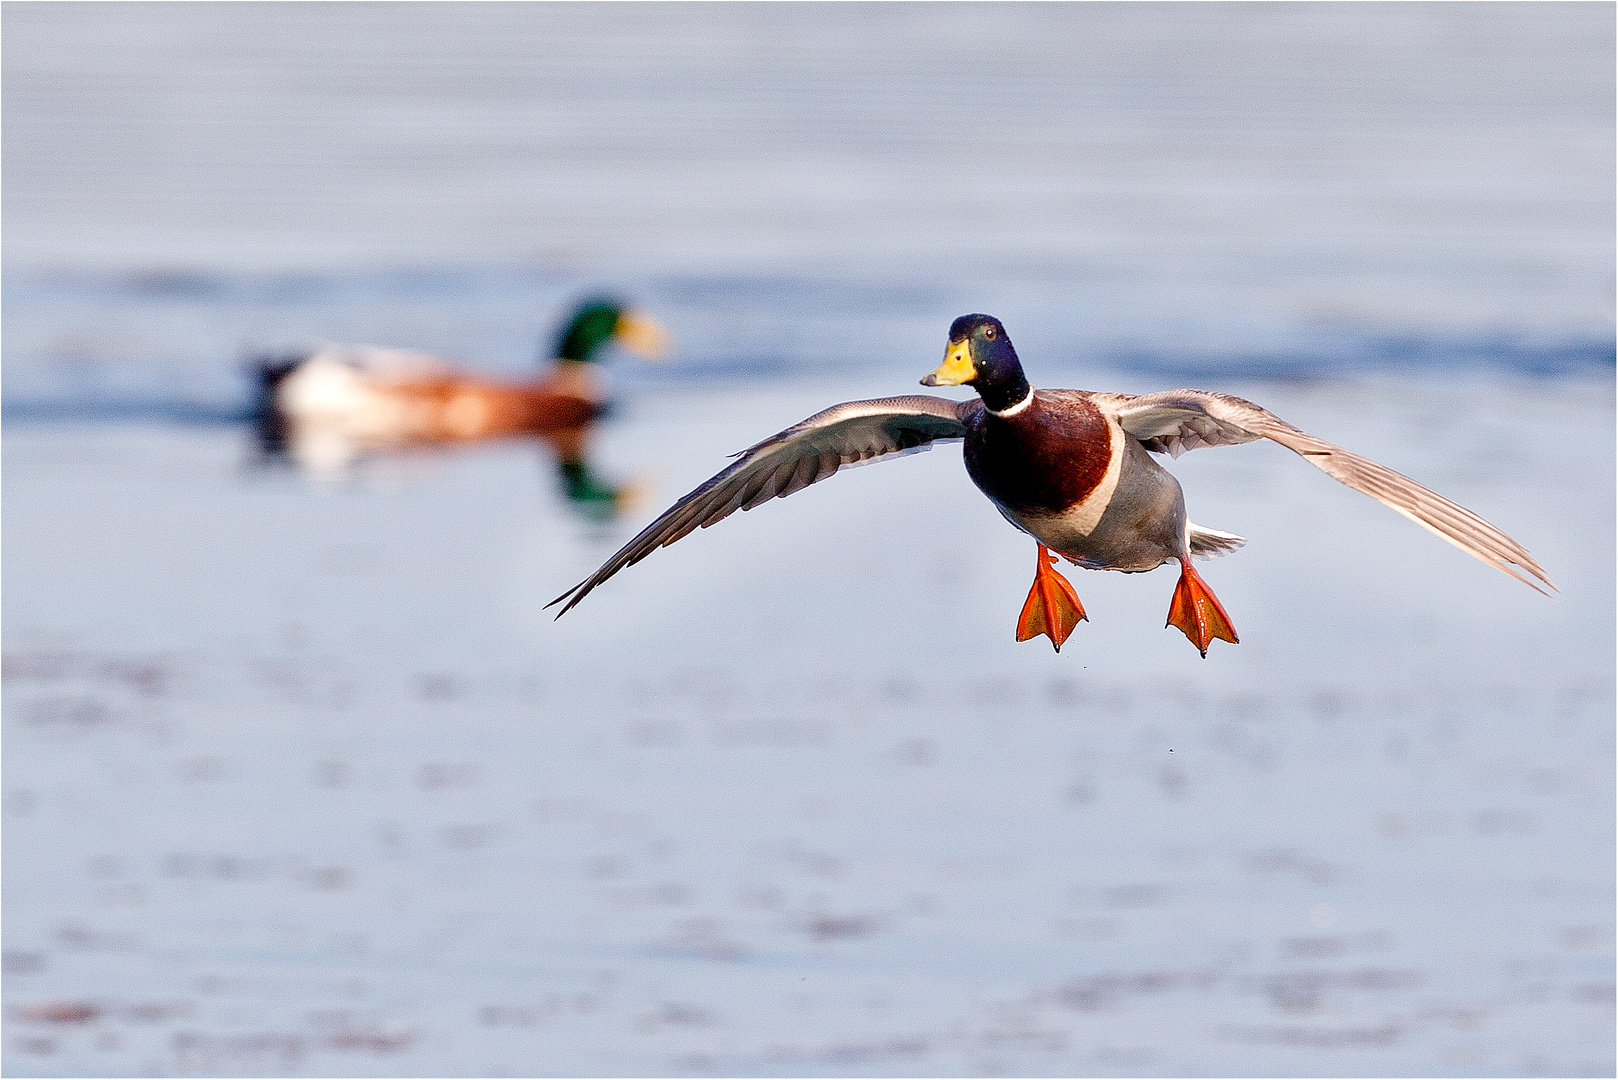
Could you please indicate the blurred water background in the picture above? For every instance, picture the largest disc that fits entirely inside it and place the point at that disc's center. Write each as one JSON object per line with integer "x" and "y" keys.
{"x": 299, "y": 778}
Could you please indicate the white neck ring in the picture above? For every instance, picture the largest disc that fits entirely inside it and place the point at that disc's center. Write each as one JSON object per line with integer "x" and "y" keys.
{"x": 1013, "y": 410}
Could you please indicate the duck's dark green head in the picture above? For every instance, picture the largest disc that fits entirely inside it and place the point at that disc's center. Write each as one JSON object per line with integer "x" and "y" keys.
{"x": 599, "y": 321}
{"x": 980, "y": 356}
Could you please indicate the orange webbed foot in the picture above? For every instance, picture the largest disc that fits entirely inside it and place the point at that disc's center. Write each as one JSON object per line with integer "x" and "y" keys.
{"x": 1197, "y": 612}
{"x": 1052, "y": 607}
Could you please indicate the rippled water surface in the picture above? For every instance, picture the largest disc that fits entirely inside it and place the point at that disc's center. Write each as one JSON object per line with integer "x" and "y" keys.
{"x": 301, "y": 779}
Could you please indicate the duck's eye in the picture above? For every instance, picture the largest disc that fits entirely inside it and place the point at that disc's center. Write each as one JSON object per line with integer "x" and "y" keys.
{"x": 988, "y": 332}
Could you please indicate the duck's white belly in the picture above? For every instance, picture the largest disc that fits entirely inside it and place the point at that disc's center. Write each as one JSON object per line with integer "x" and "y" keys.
{"x": 334, "y": 395}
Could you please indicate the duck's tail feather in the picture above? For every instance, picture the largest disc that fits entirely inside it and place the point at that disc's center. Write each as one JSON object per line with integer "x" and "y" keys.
{"x": 1211, "y": 543}
{"x": 263, "y": 412}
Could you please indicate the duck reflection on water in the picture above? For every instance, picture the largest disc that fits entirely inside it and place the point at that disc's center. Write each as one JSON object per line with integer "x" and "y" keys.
{"x": 326, "y": 410}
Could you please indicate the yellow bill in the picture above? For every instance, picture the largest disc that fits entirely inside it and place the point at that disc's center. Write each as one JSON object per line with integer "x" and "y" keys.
{"x": 956, "y": 369}
{"x": 642, "y": 336}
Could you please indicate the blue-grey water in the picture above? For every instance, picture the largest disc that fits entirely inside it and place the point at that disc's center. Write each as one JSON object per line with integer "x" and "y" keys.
{"x": 300, "y": 779}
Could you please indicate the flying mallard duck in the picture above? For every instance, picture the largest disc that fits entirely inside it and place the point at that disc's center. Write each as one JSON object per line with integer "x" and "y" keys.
{"x": 327, "y": 407}
{"x": 1071, "y": 468}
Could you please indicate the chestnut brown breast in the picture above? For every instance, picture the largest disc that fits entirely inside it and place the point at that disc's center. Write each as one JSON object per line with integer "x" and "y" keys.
{"x": 1044, "y": 460}
{"x": 447, "y": 409}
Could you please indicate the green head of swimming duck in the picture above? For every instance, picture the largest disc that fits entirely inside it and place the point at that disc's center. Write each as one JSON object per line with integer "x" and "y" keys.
{"x": 980, "y": 355}
{"x": 599, "y": 321}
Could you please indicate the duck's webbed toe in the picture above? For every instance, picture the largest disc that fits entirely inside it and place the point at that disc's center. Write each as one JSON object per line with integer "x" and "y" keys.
{"x": 1052, "y": 607}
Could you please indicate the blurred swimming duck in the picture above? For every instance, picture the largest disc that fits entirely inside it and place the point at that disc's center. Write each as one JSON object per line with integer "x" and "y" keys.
{"x": 329, "y": 406}
{"x": 1071, "y": 468}
{"x": 389, "y": 396}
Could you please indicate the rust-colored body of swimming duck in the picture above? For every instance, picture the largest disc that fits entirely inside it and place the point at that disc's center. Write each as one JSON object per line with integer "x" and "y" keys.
{"x": 1071, "y": 468}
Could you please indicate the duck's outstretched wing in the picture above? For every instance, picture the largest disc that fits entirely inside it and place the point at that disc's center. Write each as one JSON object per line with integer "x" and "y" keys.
{"x": 1175, "y": 421}
{"x": 847, "y": 434}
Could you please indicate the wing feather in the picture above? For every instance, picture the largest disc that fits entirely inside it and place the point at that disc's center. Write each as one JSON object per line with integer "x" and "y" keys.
{"x": 1175, "y": 421}
{"x": 805, "y": 453}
